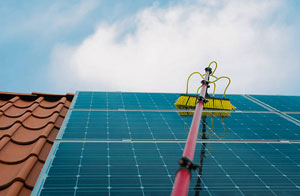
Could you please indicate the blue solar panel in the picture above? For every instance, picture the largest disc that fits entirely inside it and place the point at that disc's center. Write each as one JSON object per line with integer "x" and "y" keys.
{"x": 281, "y": 103}
{"x": 122, "y": 100}
{"x": 253, "y": 126}
{"x": 149, "y": 169}
{"x": 296, "y": 116}
{"x": 147, "y": 101}
{"x": 170, "y": 125}
{"x": 244, "y": 104}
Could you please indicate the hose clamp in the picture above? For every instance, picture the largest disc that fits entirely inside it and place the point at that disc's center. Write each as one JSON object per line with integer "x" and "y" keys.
{"x": 205, "y": 82}
{"x": 208, "y": 69}
{"x": 202, "y": 99}
{"x": 186, "y": 164}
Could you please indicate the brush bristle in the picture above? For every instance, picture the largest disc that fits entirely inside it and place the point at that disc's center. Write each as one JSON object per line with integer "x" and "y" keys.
{"x": 217, "y": 114}
{"x": 189, "y": 102}
{"x": 219, "y": 104}
{"x": 206, "y": 114}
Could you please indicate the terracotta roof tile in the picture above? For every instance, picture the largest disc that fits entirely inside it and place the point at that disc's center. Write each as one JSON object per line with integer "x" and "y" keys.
{"x": 14, "y": 111}
{"x": 26, "y": 136}
{"x": 31, "y": 178}
{"x": 16, "y": 172}
{"x": 29, "y": 124}
{"x": 22, "y": 104}
{"x": 48, "y": 104}
{"x": 25, "y": 191}
{"x": 44, "y": 112}
{"x": 33, "y": 122}
{"x": 14, "y": 153}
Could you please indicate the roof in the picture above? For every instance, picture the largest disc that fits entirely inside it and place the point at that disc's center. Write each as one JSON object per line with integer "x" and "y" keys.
{"x": 29, "y": 124}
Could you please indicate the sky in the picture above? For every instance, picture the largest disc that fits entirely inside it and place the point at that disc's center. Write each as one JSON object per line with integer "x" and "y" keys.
{"x": 149, "y": 46}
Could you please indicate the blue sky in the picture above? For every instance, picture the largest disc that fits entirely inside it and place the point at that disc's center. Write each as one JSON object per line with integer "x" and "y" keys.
{"x": 64, "y": 46}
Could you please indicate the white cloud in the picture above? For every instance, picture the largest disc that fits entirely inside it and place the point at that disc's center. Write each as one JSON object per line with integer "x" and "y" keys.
{"x": 156, "y": 49}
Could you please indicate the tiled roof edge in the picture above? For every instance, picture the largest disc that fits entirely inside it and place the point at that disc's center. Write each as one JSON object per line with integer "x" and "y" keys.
{"x": 33, "y": 95}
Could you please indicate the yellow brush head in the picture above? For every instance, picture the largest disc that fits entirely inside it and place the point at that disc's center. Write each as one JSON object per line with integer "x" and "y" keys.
{"x": 187, "y": 102}
{"x": 216, "y": 114}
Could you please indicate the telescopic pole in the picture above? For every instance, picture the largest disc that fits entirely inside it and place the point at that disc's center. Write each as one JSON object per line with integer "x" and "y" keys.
{"x": 183, "y": 175}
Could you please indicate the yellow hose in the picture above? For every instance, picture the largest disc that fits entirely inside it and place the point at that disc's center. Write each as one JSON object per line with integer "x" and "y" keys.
{"x": 214, "y": 133}
{"x": 213, "y": 82}
{"x": 198, "y": 89}
{"x": 229, "y": 81}
{"x": 215, "y": 67}
{"x": 188, "y": 80}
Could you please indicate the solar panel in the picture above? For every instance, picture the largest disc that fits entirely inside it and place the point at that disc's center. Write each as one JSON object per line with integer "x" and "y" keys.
{"x": 281, "y": 103}
{"x": 117, "y": 143}
{"x": 243, "y": 103}
{"x": 147, "y": 101}
{"x": 149, "y": 169}
{"x": 170, "y": 125}
{"x": 296, "y": 116}
{"x": 130, "y": 101}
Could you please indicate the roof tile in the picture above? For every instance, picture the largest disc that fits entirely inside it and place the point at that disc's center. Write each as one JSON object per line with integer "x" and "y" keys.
{"x": 25, "y": 191}
{"x": 22, "y": 104}
{"x": 43, "y": 112}
{"x": 14, "y": 172}
{"x": 10, "y": 131}
{"x": 48, "y": 104}
{"x": 25, "y": 136}
{"x": 14, "y": 153}
{"x": 33, "y": 176}
{"x": 2, "y": 102}
{"x": 6, "y": 121}
{"x": 13, "y": 189}
{"x": 38, "y": 123}
{"x": 14, "y": 99}
{"x": 29, "y": 124}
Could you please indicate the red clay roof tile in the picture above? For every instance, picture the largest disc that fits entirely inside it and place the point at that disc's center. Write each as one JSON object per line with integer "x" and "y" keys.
{"x": 2, "y": 102}
{"x": 14, "y": 153}
{"x": 33, "y": 122}
{"x": 48, "y": 104}
{"x": 16, "y": 172}
{"x": 22, "y": 104}
{"x": 26, "y": 136}
{"x": 29, "y": 124}
{"x": 13, "y": 189}
{"x": 25, "y": 191}
{"x": 31, "y": 178}
{"x": 51, "y": 137}
{"x": 43, "y": 112}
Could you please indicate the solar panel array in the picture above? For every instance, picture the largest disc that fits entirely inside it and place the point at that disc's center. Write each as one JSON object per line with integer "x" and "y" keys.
{"x": 146, "y": 101}
{"x": 115, "y": 143}
{"x": 281, "y": 103}
{"x": 169, "y": 125}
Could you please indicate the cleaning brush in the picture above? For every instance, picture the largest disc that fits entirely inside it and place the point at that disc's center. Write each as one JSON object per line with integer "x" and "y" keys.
{"x": 188, "y": 102}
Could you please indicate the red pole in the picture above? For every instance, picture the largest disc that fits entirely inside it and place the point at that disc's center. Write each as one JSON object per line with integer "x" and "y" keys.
{"x": 182, "y": 180}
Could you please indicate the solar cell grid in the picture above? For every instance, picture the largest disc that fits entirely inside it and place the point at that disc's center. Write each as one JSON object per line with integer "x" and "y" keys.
{"x": 122, "y": 168}
{"x": 244, "y": 104}
{"x": 296, "y": 116}
{"x": 281, "y": 103}
{"x": 170, "y": 125}
{"x": 130, "y": 101}
{"x": 147, "y": 101}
